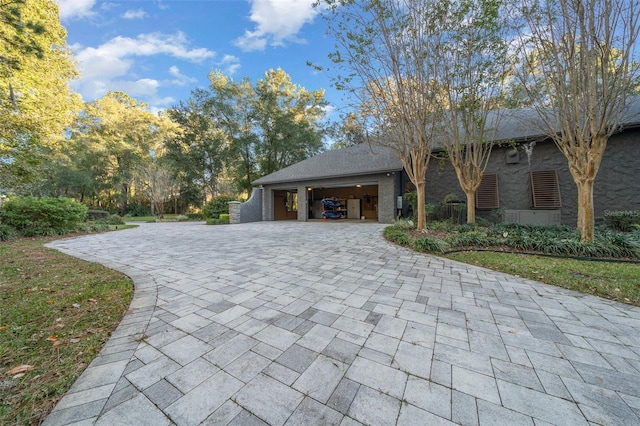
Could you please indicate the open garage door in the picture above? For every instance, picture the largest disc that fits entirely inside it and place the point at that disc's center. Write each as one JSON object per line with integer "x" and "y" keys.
{"x": 354, "y": 202}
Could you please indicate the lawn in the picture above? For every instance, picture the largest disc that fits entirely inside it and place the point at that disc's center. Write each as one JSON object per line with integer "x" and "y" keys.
{"x": 57, "y": 313}
{"x": 611, "y": 280}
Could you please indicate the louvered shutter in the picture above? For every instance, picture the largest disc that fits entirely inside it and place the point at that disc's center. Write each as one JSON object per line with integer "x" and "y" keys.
{"x": 487, "y": 197}
{"x": 545, "y": 189}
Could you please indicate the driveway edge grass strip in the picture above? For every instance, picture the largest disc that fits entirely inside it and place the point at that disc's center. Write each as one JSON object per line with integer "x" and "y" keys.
{"x": 57, "y": 314}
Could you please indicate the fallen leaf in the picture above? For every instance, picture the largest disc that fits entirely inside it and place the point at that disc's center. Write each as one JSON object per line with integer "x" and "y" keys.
{"x": 76, "y": 305}
{"x": 17, "y": 376}
{"x": 513, "y": 332}
{"x": 92, "y": 301}
{"x": 19, "y": 369}
{"x": 3, "y": 328}
{"x": 52, "y": 338}
{"x": 74, "y": 340}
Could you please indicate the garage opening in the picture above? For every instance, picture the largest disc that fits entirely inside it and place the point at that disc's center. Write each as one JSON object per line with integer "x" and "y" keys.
{"x": 285, "y": 205}
{"x": 358, "y": 202}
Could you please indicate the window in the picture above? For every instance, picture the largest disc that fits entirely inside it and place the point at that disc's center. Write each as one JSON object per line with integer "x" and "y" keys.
{"x": 487, "y": 194}
{"x": 545, "y": 189}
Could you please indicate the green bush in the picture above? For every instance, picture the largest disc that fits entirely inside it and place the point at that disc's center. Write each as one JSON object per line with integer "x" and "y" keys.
{"x": 397, "y": 236}
{"x": 430, "y": 245}
{"x": 218, "y": 221}
{"x": 195, "y": 216}
{"x": 111, "y": 219}
{"x": 97, "y": 214}
{"x": 217, "y": 206}
{"x": 43, "y": 216}
{"x": 136, "y": 209}
{"x": 6, "y": 232}
{"x": 471, "y": 239}
{"x": 224, "y": 216}
{"x": 404, "y": 224}
{"x": 556, "y": 240}
{"x": 623, "y": 221}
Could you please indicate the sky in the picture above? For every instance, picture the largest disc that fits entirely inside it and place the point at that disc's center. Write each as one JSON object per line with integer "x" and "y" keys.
{"x": 158, "y": 51}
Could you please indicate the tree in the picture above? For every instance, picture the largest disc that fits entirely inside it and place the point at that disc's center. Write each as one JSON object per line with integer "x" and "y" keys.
{"x": 157, "y": 183}
{"x": 348, "y": 132}
{"x": 386, "y": 49}
{"x": 287, "y": 120}
{"x": 580, "y": 63}
{"x": 35, "y": 102}
{"x": 121, "y": 132}
{"x": 230, "y": 107}
{"x": 472, "y": 57}
{"x": 264, "y": 127}
{"x": 198, "y": 154}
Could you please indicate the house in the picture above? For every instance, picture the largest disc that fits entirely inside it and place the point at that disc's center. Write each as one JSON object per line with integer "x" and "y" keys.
{"x": 527, "y": 180}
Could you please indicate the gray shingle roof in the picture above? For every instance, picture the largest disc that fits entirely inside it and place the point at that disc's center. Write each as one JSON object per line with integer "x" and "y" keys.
{"x": 363, "y": 159}
{"x": 515, "y": 125}
{"x": 523, "y": 124}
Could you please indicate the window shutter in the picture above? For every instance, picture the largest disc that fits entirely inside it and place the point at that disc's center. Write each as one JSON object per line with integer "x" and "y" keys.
{"x": 545, "y": 189}
{"x": 487, "y": 197}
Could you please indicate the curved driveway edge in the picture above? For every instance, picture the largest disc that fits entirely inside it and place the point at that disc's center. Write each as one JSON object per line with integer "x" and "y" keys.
{"x": 326, "y": 323}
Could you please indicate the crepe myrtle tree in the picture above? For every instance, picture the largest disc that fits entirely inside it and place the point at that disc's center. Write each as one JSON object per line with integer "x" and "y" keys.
{"x": 385, "y": 53}
{"x": 579, "y": 64}
{"x": 472, "y": 56}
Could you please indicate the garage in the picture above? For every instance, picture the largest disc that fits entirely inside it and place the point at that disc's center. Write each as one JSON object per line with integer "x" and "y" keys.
{"x": 362, "y": 182}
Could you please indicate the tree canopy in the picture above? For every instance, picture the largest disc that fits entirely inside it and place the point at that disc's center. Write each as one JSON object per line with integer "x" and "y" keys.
{"x": 580, "y": 62}
{"x": 36, "y": 104}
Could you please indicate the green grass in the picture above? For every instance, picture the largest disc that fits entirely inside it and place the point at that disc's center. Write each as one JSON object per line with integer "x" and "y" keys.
{"x": 57, "y": 313}
{"x": 612, "y": 280}
{"x": 165, "y": 218}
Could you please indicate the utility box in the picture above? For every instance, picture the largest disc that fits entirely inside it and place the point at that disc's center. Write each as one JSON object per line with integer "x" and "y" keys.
{"x": 533, "y": 217}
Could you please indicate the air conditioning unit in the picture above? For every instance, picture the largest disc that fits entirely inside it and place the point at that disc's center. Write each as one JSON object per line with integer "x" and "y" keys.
{"x": 533, "y": 217}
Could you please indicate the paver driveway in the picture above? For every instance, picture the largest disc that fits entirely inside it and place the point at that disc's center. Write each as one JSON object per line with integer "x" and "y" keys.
{"x": 326, "y": 323}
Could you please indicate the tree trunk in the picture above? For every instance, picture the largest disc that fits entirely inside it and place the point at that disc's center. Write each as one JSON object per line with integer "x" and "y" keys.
{"x": 471, "y": 206}
{"x": 586, "y": 221}
{"x": 420, "y": 186}
{"x": 125, "y": 198}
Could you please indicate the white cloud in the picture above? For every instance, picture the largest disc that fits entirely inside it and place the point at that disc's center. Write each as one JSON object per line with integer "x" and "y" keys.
{"x": 277, "y": 21}
{"x": 134, "y": 14}
{"x": 180, "y": 79}
{"x": 230, "y": 64}
{"x": 110, "y": 66}
{"x": 76, "y": 9}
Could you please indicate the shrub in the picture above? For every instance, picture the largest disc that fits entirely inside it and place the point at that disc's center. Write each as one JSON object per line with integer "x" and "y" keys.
{"x": 217, "y": 206}
{"x": 43, "y": 216}
{"x": 111, "y": 219}
{"x": 430, "y": 245}
{"x": 218, "y": 221}
{"x": 6, "y": 232}
{"x": 404, "y": 224}
{"x": 470, "y": 239}
{"x": 195, "y": 216}
{"x": 623, "y": 221}
{"x": 397, "y": 236}
{"x": 136, "y": 209}
{"x": 97, "y": 214}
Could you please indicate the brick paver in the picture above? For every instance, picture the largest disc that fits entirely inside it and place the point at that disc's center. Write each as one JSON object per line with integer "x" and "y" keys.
{"x": 326, "y": 323}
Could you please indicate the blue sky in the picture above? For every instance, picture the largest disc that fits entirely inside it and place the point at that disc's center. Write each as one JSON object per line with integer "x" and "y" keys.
{"x": 158, "y": 51}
